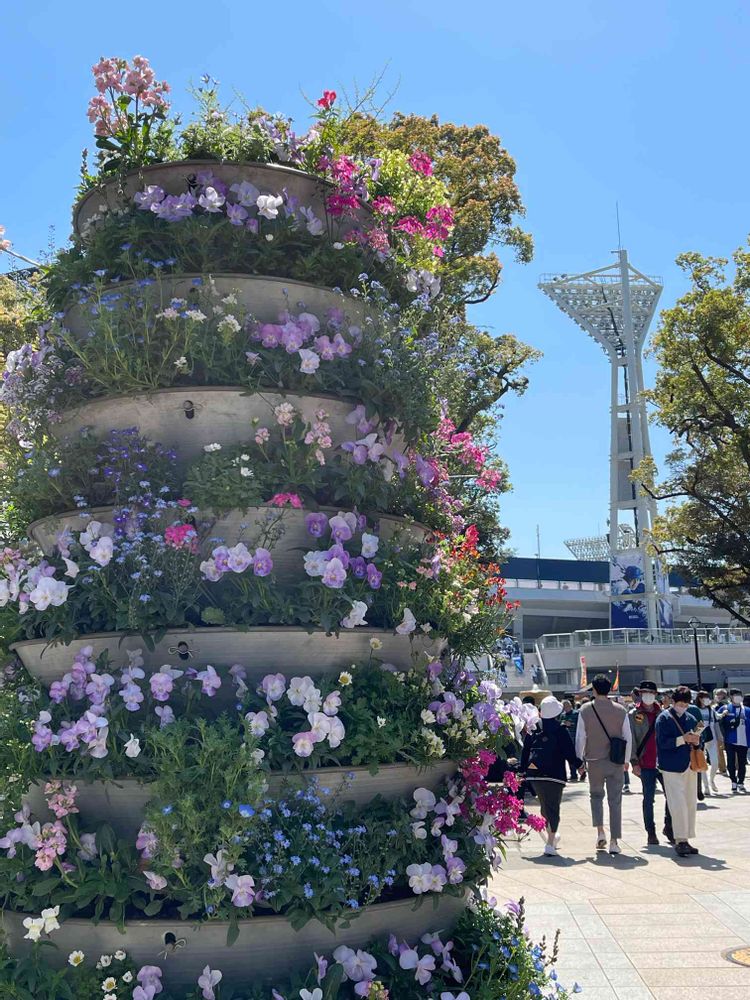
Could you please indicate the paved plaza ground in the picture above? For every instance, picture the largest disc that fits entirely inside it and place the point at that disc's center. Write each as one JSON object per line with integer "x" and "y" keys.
{"x": 647, "y": 923}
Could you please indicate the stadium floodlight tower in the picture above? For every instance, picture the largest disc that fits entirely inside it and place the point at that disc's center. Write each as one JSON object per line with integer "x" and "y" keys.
{"x": 615, "y": 306}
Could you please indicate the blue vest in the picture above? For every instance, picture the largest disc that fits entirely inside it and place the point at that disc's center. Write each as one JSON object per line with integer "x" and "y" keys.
{"x": 670, "y": 757}
{"x": 730, "y": 732}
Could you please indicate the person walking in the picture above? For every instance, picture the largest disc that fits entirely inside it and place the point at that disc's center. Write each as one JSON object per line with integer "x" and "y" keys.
{"x": 721, "y": 701}
{"x": 569, "y": 721}
{"x": 674, "y": 740}
{"x": 642, "y": 718}
{"x": 546, "y": 751}
{"x": 735, "y": 725}
{"x": 603, "y": 741}
{"x": 709, "y": 742}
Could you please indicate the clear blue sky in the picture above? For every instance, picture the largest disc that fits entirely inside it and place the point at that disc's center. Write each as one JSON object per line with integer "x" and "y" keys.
{"x": 644, "y": 103}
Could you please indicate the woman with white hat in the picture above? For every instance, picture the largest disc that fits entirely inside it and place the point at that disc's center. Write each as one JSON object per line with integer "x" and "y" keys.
{"x": 546, "y": 750}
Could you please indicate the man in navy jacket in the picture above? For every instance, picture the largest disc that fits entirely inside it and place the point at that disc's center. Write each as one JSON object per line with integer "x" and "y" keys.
{"x": 674, "y": 739}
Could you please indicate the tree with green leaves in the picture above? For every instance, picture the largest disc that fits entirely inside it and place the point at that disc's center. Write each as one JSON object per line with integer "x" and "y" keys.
{"x": 702, "y": 396}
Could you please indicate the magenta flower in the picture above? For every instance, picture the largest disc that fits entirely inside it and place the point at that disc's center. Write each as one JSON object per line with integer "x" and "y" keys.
{"x": 421, "y": 163}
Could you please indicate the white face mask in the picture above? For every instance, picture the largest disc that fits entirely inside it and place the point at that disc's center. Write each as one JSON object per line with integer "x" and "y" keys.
{"x": 705, "y": 702}
{"x": 737, "y": 699}
{"x": 648, "y": 699}
{"x": 680, "y": 707}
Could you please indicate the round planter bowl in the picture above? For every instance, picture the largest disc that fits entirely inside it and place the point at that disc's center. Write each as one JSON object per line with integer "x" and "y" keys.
{"x": 122, "y": 802}
{"x": 265, "y": 298}
{"x": 267, "y": 948}
{"x": 266, "y": 649}
{"x": 254, "y": 526}
{"x": 190, "y": 417}
{"x": 269, "y": 178}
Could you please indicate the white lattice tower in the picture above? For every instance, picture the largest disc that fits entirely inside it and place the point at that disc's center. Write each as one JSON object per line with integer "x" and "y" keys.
{"x": 615, "y": 306}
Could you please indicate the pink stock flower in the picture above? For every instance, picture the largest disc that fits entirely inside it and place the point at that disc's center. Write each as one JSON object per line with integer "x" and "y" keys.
{"x": 327, "y": 100}
{"x": 421, "y": 163}
{"x": 384, "y": 205}
{"x": 182, "y": 536}
{"x": 281, "y": 499}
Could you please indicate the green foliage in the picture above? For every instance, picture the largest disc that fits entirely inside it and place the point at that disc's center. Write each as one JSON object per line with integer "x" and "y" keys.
{"x": 702, "y": 396}
{"x": 122, "y": 246}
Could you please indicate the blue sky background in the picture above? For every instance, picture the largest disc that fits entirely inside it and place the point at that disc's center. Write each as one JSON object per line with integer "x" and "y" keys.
{"x": 643, "y": 103}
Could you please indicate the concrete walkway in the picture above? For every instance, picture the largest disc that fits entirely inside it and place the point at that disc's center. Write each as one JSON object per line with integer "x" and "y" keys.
{"x": 646, "y": 924}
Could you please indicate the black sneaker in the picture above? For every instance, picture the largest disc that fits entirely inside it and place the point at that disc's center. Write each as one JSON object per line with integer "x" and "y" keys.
{"x": 668, "y": 834}
{"x": 653, "y": 840}
{"x": 691, "y": 849}
{"x": 683, "y": 849}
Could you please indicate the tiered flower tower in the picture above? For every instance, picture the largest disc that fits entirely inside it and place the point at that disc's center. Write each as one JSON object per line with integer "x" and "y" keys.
{"x": 275, "y": 544}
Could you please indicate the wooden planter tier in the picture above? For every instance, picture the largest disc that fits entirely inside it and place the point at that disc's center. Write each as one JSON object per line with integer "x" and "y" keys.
{"x": 121, "y": 802}
{"x": 285, "y": 649}
{"x": 251, "y": 526}
{"x": 174, "y": 178}
{"x": 188, "y": 418}
{"x": 263, "y": 297}
{"x": 267, "y": 948}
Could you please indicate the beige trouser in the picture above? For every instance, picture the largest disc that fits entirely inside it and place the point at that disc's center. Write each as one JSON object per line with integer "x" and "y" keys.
{"x": 601, "y": 773}
{"x": 681, "y": 799}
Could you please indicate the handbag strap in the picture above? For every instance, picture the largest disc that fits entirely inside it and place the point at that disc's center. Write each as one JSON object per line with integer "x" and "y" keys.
{"x": 593, "y": 706}
{"x": 647, "y": 737}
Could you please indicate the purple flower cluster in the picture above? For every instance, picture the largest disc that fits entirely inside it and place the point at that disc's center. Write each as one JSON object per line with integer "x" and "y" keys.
{"x": 242, "y": 204}
{"x": 236, "y": 559}
{"x": 334, "y": 564}
{"x": 299, "y": 334}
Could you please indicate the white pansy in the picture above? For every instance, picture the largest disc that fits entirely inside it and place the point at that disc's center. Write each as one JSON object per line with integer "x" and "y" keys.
{"x": 269, "y": 205}
{"x": 132, "y": 749}
{"x": 369, "y": 545}
{"x": 356, "y": 616}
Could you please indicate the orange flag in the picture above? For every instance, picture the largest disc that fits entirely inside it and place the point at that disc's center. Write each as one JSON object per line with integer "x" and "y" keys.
{"x": 584, "y": 677}
{"x": 616, "y": 685}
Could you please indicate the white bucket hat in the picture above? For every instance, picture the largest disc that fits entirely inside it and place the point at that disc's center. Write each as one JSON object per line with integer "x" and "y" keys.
{"x": 550, "y": 707}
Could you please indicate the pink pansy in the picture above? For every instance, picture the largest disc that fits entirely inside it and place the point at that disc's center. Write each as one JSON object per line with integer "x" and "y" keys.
{"x": 423, "y": 967}
{"x": 242, "y": 888}
{"x": 334, "y": 575}
{"x": 273, "y": 686}
{"x": 210, "y": 681}
{"x": 304, "y": 744}
{"x": 208, "y": 979}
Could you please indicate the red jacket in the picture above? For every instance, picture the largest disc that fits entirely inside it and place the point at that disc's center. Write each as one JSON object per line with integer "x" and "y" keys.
{"x": 641, "y": 718}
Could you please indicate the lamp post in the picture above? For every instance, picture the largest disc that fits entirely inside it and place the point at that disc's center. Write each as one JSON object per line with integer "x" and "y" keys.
{"x": 694, "y": 623}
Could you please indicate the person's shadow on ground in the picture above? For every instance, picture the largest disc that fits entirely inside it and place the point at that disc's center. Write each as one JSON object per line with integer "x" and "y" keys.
{"x": 556, "y": 861}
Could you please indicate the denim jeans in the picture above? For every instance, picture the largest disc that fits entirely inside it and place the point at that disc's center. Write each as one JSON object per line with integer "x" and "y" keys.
{"x": 649, "y": 778}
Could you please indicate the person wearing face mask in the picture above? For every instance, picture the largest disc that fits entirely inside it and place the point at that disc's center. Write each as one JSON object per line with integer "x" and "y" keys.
{"x": 709, "y": 742}
{"x": 735, "y": 725}
{"x": 721, "y": 700}
{"x": 642, "y": 718}
{"x": 674, "y": 739}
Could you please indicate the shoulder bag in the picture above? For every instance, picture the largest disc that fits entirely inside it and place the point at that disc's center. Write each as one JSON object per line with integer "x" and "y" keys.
{"x": 617, "y": 745}
{"x": 697, "y": 756}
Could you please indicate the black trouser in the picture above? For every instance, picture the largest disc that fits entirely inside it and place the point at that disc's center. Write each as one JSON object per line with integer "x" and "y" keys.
{"x": 550, "y": 797}
{"x": 736, "y": 762}
{"x": 649, "y": 778}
